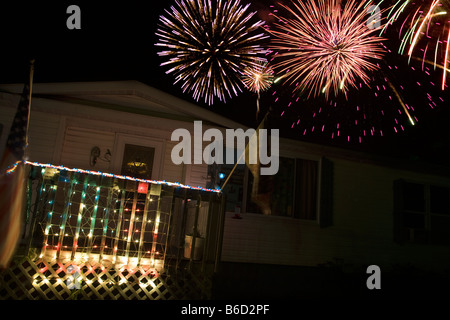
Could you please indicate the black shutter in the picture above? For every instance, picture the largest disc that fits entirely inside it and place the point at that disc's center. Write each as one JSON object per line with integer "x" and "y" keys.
{"x": 399, "y": 234}
{"x": 326, "y": 194}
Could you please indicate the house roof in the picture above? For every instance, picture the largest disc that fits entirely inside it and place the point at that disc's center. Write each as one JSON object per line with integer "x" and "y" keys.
{"x": 128, "y": 96}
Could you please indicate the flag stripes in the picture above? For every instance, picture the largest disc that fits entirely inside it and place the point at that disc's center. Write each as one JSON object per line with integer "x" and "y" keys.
{"x": 12, "y": 178}
{"x": 12, "y": 188}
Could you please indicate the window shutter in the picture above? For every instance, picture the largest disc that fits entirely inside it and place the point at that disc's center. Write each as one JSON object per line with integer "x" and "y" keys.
{"x": 326, "y": 194}
{"x": 399, "y": 235}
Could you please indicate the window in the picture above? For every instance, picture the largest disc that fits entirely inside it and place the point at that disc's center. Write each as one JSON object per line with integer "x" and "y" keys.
{"x": 301, "y": 189}
{"x": 138, "y": 161}
{"x": 421, "y": 213}
{"x": 138, "y": 157}
{"x": 292, "y": 192}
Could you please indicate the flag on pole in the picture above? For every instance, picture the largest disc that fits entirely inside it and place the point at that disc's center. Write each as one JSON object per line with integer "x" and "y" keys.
{"x": 12, "y": 178}
{"x": 259, "y": 196}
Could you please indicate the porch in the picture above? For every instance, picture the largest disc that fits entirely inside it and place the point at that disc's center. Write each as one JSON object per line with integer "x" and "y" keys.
{"x": 93, "y": 235}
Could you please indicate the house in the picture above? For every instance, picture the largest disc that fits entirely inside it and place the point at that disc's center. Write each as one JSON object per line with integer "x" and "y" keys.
{"x": 330, "y": 208}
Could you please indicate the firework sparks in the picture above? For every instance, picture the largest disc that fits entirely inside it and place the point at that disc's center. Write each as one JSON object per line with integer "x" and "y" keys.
{"x": 426, "y": 26}
{"x": 257, "y": 79}
{"x": 325, "y": 46}
{"x": 398, "y": 96}
{"x": 209, "y": 46}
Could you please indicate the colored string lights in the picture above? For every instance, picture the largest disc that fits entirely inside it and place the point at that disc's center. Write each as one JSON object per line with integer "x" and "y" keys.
{"x": 111, "y": 175}
{"x": 89, "y": 216}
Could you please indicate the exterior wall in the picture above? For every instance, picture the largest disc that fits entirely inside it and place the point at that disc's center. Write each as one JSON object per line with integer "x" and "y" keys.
{"x": 361, "y": 234}
{"x": 64, "y": 135}
{"x": 77, "y": 144}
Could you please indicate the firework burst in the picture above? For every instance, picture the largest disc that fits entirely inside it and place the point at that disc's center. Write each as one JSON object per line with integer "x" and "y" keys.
{"x": 424, "y": 31}
{"x": 257, "y": 79}
{"x": 325, "y": 46}
{"x": 209, "y": 45}
{"x": 397, "y": 97}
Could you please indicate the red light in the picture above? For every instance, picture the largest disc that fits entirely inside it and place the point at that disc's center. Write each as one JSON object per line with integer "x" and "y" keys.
{"x": 142, "y": 187}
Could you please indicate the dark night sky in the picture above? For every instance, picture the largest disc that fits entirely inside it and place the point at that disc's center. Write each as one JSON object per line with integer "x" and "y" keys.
{"x": 116, "y": 42}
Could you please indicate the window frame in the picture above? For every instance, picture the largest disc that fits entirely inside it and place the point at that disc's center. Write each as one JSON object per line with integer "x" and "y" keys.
{"x": 158, "y": 144}
{"x": 399, "y": 211}
{"x": 294, "y": 156}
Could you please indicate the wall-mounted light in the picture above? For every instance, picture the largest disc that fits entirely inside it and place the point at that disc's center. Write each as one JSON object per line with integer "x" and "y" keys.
{"x": 95, "y": 155}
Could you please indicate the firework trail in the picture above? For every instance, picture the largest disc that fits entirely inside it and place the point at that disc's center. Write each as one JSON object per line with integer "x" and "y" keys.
{"x": 424, "y": 31}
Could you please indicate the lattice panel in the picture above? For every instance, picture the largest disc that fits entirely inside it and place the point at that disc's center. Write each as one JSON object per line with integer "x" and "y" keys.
{"x": 27, "y": 279}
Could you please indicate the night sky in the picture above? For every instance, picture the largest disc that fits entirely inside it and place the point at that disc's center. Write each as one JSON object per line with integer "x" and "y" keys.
{"x": 116, "y": 42}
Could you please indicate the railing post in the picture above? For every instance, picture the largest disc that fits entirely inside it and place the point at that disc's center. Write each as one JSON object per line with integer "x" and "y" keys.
{"x": 208, "y": 233}
{"x": 67, "y": 206}
{"x": 172, "y": 208}
{"x": 80, "y": 216}
{"x": 221, "y": 224}
{"x": 182, "y": 235}
{"x": 143, "y": 225}
{"x": 119, "y": 226}
{"x": 50, "y": 213}
{"x": 93, "y": 218}
{"x": 130, "y": 227}
{"x": 105, "y": 223}
{"x": 155, "y": 190}
{"x": 194, "y": 235}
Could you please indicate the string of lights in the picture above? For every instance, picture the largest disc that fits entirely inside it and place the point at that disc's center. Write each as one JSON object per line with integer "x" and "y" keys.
{"x": 81, "y": 219}
{"x": 117, "y": 176}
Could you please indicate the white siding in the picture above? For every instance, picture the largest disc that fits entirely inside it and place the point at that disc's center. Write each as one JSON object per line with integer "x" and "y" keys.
{"x": 261, "y": 239}
{"x": 171, "y": 171}
{"x": 78, "y": 142}
{"x": 77, "y": 146}
{"x": 362, "y": 230}
{"x": 43, "y": 136}
{"x": 198, "y": 175}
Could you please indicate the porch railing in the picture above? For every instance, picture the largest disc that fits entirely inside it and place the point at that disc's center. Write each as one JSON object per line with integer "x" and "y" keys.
{"x": 84, "y": 218}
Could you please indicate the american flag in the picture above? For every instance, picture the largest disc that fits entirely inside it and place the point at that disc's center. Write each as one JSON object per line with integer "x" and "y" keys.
{"x": 12, "y": 180}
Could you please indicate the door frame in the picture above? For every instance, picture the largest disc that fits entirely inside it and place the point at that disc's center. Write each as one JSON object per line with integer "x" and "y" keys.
{"x": 158, "y": 144}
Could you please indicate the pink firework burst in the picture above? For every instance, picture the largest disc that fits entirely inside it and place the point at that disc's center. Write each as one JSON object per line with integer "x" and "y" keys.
{"x": 392, "y": 101}
{"x": 325, "y": 46}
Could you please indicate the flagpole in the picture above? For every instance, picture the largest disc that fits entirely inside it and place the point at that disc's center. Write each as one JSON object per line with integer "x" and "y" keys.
{"x": 29, "y": 98}
{"x": 27, "y": 207}
{"x": 243, "y": 153}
